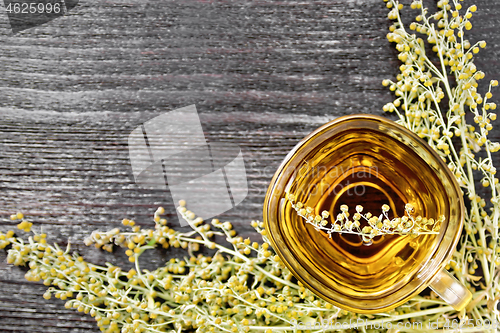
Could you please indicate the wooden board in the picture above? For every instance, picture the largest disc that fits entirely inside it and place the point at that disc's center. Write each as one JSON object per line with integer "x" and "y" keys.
{"x": 263, "y": 74}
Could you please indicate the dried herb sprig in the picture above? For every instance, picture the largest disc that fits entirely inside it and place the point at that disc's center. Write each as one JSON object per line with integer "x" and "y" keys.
{"x": 436, "y": 102}
{"x": 241, "y": 288}
{"x": 376, "y": 225}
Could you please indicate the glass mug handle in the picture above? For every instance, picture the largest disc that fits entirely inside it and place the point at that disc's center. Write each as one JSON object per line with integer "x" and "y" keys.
{"x": 451, "y": 290}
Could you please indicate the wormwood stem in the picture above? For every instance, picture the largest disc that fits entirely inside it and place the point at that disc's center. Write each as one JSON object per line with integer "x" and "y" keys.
{"x": 377, "y": 226}
{"x": 422, "y": 113}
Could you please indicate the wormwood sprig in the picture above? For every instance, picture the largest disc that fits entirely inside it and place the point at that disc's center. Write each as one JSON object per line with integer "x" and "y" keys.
{"x": 241, "y": 288}
{"x": 436, "y": 101}
{"x": 376, "y": 225}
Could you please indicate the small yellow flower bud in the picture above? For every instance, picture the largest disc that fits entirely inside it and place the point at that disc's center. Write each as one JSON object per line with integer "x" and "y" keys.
{"x": 366, "y": 230}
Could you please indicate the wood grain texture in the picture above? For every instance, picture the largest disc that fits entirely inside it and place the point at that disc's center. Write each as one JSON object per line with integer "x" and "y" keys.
{"x": 263, "y": 74}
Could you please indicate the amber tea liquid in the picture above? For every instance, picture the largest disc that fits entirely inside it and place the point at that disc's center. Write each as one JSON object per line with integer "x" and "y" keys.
{"x": 369, "y": 170}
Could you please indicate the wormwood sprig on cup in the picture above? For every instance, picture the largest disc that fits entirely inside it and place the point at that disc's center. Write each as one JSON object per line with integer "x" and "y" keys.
{"x": 436, "y": 101}
{"x": 377, "y": 225}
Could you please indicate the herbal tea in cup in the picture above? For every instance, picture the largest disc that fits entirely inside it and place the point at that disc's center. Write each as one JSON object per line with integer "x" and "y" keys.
{"x": 366, "y": 214}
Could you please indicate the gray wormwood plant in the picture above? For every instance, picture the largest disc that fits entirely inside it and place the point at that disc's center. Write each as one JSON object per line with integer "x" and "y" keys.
{"x": 244, "y": 287}
{"x": 376, "y": 225}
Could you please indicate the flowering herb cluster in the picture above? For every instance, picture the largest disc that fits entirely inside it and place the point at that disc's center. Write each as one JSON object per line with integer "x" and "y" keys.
{"x": 375, "y": 225}
{"x": 244, "y": 287}
{"x": 241, "y": 288}
{"x": 440, "y": 102}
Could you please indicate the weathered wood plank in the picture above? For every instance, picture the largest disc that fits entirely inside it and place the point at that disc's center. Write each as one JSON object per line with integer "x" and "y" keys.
{"x": 263, "y": 74}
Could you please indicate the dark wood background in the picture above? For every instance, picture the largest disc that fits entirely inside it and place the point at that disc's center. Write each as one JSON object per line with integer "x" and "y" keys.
{"x": 263, "y": 74}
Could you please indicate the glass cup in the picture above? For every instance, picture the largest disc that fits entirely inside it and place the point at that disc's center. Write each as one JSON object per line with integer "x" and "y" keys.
{"x": 367, "y": 160}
